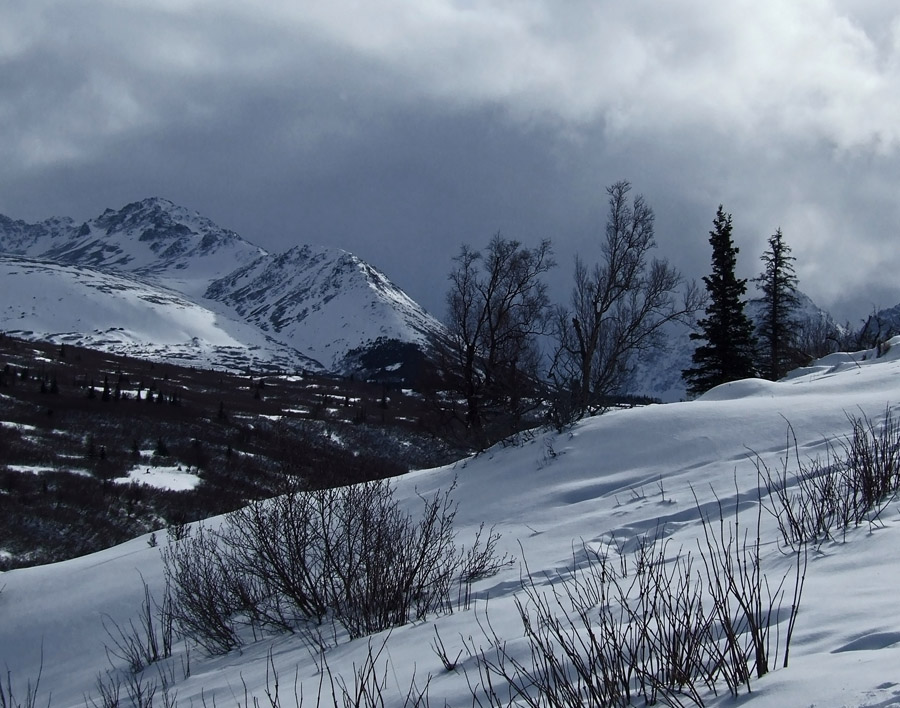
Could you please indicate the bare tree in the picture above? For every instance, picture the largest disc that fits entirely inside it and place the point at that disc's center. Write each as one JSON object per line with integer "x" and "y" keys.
{"x": 618, "y": 308}
{"x": 875, "y": 330}
{"x": 497, "y": 306}
{"x": 818, "y": 335}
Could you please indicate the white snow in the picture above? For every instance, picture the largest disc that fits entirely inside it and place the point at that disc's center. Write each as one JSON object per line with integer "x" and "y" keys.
{"x": 622, "y": 474}
{"x": 162, "y": 477}
{"x": 29, "y": 469}
{"x": 323, "y": 301}
{"x": 228, "y": 308}
{"x": 22, "y": 427}
{"x": 40, "y": 469}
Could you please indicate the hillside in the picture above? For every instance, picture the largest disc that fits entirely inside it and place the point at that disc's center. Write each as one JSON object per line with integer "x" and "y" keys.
{"x": 614, "y": 483}
{"x": 85, "y": 307}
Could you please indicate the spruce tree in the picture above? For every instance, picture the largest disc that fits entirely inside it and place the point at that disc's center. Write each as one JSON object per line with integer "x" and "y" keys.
{"x": 778, "y": 326}
{"x": 727, "y": 354}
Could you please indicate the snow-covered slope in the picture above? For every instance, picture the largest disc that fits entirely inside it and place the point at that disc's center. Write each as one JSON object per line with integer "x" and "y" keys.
{"x": 607, "y": 482}
{"x": 123, "y": 315}
{"x": 325, "y": 303}
{"x": 324, "y": 300}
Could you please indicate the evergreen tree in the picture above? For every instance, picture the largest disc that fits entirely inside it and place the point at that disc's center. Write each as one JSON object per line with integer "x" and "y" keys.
{"x": 727, "y": 354}
{"x": 778, "y": 327}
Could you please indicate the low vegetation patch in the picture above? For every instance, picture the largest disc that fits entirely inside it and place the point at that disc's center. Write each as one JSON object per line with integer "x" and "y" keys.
{"x": 823, "y": 499}
{"x": 349, "y": 556}
{"x": 658, "y": 627}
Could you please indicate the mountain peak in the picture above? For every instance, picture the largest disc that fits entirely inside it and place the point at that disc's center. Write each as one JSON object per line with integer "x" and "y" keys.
{"x": 326, "y": 300}
{"x": 159, "y": 203}
{"x": 154, "y": 238}
{"x": 143, "y": 209}
{"x": 155, "y": 213}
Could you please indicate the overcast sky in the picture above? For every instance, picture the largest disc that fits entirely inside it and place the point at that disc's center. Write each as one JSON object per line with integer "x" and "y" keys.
{"x": 400, "y": 129}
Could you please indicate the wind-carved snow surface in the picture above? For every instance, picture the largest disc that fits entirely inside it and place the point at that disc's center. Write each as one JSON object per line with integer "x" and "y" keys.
{"x": 308, "y": 308}
{"x": 618, "y": 476}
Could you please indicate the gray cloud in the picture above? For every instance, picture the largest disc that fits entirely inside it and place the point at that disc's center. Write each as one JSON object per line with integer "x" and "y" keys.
{"x": 400, "y": 130}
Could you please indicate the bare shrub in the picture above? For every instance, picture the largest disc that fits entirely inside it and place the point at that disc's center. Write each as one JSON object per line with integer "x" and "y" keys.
{"x": 480, "y": 560}
{"x": 660, "y": 629}
{"x": 146, "y": 642}
{"x": 804, "y": 506}
{"x": 852, "y": 486}
{"x": 205, "y": 596}
{"x": 365, "y": 687}
{"x": 273, "y": 545}
{"x": 604, "y": 639}
{"x": 386, "y": 569}
{"x": 440, "y": 651}
{"x": 350, "y": 555}
{"x": 141, "y": 690}
{"x": 369, "y": 684}
{"x": 109, "y": 689}
{"x": 746, "y": 605}
{"x": 8, "y": 697}
{"x": 872, "y": 459}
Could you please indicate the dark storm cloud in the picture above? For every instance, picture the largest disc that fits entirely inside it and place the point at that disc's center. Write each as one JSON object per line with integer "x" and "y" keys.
{"x": 400, "y": 130}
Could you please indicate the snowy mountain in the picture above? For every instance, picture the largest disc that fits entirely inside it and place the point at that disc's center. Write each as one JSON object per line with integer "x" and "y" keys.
{"x": 606, "y": 490}
{"x": 230, "y": 303}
